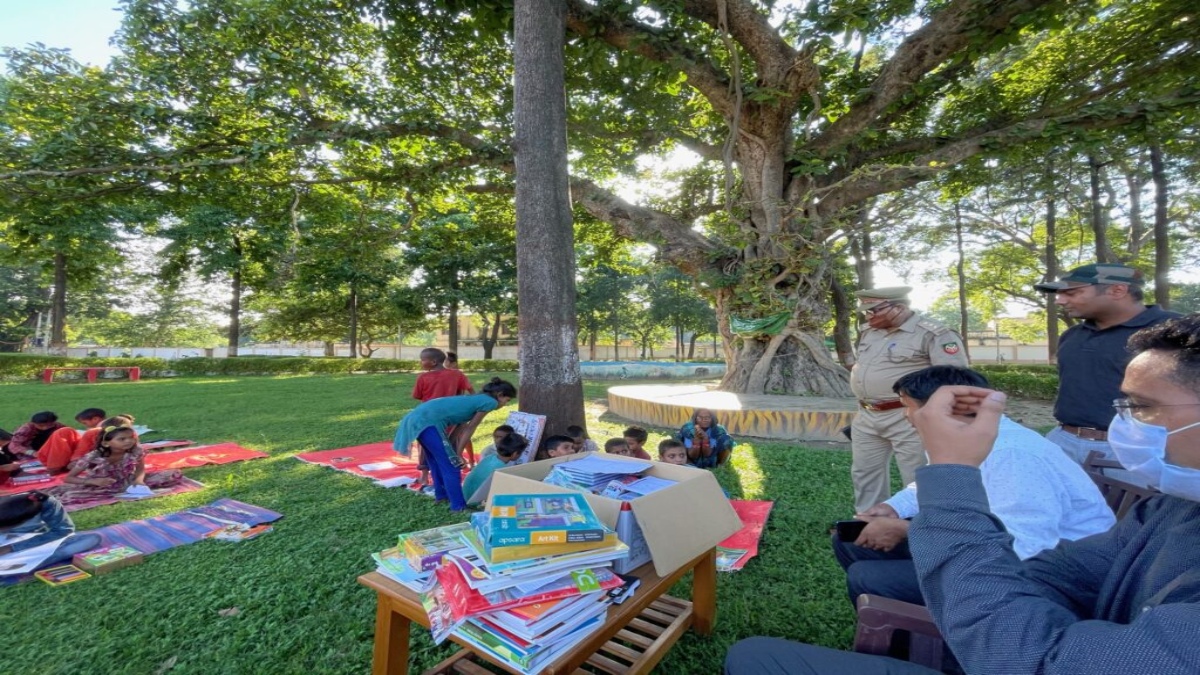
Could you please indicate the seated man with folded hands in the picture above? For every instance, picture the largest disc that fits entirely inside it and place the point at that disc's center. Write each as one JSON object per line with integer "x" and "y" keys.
{"x": 1039, "y": 494}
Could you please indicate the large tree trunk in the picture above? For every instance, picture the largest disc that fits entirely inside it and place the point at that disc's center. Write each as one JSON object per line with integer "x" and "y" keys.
{"x": 843, "y": 314}
{"x": 549, "y": 353}
{"x": 1162, "y": 242}
{"x": 235, "y": 312}
{"x": 1099, "y": 217}
{"x": 1051, "y": 256}
{"x": 58, "y": 306}
{"x": 960, "y": 272}
{"x": 452, "y": 327}
{"x": 353, "y": 306}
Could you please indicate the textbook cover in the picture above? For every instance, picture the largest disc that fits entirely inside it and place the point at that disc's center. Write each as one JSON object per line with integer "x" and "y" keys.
{"x": 426, "y": 547}
{"x": 539, "y": 519}
{"x": 481, "y": 532}
{"x": 466, "y": 602}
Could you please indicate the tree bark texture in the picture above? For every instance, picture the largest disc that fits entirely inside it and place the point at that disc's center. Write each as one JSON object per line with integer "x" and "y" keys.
{"x": 960, "y": 272}
{"x": 58, "y": 306}
{"x": 549, "y": 353}
{"x": 452, "y": 327}
{"x": 1162, "y": 241}
{"x": 1099, "y": 219}
{"x": 235, "y": 312}
{"x": 1051, "y": 254}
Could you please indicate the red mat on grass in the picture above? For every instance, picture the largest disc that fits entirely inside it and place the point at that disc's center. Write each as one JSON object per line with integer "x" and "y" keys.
{"x": 754, "y": 519}
{"x": 372, "y": 455}
{"x": 221, "y": 453}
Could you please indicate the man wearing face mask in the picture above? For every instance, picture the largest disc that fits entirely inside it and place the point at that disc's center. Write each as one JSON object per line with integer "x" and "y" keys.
{"x": 897, "y": 341}
{"x": 1124, "y": 601}
{"x": 1091, "y": 354}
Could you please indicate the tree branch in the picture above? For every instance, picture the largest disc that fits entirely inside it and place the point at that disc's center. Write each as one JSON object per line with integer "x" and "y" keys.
{"x": 636, "y": 38}
{"x": 948, "y": 33}
{"x": 686, "y": 248}
{"x": 869, "y": 181}
{"x": 779, "y": 65}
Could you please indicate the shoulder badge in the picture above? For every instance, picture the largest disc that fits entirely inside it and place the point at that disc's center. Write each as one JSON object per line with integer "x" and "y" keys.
{"x": 932, "y": 326}
{"x": 950, "y": 348}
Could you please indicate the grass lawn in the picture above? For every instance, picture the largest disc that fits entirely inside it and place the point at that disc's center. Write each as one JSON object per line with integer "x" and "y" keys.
{"x": 299, "y": 608}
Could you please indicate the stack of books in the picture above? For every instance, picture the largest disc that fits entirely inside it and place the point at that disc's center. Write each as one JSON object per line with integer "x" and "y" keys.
{"x": 593, "y": 473}
{"x": 524, "y": 581}
{"x": 32, "y": 473}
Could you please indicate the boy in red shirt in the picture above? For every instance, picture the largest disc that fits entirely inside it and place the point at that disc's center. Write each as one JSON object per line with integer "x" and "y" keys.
{"x": 438, "y": 381}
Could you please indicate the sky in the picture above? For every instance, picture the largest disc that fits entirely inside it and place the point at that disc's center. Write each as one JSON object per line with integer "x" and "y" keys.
{"x": 83, "y": 26}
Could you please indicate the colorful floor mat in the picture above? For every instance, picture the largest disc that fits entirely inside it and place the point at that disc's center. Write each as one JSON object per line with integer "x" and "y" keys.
{"x": 741, "y": 546}
{"x": 222, "y": 453}
{"x": 377, "y": 461}
{"x": 185, "y": 485}
{"x": 183, "y": 527}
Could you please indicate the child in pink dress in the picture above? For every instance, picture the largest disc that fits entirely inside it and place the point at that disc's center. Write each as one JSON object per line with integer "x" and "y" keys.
{"x": 117, "y": 463}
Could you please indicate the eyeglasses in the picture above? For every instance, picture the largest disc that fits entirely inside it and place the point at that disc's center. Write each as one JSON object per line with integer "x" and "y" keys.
{"x": 875, "y": 309}
{"x": 1129, "y": 410}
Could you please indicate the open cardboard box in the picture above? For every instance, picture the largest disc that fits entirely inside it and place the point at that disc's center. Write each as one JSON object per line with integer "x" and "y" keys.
{"x": 670, "y": 526}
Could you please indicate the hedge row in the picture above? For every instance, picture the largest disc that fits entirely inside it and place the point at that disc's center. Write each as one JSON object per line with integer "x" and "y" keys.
{"x": 1023, "y": 381}
{"x": 30, "y": 366}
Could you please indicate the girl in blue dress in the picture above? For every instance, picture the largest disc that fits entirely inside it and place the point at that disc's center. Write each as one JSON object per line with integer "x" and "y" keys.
{"x": 427, "y": 424}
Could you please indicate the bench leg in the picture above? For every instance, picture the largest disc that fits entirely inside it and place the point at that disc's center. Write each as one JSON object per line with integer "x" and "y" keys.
{"x": 135, "y": 374}
{"x": 704, "y": 594}
{"x": 48, "y": 375}
{"x": 91, "y": 375}
{"x": 391, "y": 639}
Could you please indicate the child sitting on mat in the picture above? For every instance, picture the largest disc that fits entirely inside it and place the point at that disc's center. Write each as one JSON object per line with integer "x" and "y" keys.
{"x": 616, "y": 446}
{"x": 708, "y": 444}
{"x": 9, "y": 463}
{"x": 30, "y": 522}
{"x": 672, "y": 451}
{"x": 31, "y": 436}
{"x": 635, "y": 438}
{"x": 427, "y": 424}
{"x": 497, "y": 434}
{"x": 581, "y": 440}
{"x": 66, "y": 445}
{"x": 555, "y": 446}
{"x": 116, "y": 463}
{"x": 507, "y": 449}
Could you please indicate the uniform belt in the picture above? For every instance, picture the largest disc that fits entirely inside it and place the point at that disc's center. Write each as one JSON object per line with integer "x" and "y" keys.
{"x": 880, "y": 406}
{"x": 1086, "y": 433}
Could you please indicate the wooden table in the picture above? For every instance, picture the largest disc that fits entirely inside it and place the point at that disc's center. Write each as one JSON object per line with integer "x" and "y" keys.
{"x": 635, "y": 636}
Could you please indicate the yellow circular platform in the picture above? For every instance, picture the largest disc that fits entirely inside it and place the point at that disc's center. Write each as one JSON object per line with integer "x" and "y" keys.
{"x": 793, "y": 418}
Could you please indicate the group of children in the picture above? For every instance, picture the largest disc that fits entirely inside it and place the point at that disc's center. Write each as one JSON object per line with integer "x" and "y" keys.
{"x": 508, "y": 447}
{"x": 102, "y": 459}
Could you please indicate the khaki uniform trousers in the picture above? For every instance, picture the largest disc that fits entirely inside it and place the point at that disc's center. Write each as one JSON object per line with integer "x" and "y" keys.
{"x": 875, "y": 437}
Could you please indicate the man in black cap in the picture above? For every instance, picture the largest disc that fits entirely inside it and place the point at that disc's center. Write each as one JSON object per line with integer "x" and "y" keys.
{"x": 1092, "y": 354}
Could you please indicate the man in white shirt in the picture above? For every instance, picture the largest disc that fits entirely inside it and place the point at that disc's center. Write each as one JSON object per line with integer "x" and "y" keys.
{"x": 1039, "y": 494}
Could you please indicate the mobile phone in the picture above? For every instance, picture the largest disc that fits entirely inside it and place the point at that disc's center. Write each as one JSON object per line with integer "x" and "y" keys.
{"x": 848, "y": 530}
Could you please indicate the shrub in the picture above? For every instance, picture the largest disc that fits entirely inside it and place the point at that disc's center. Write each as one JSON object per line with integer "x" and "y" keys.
{"x": 30, "y": 366}
{"x": 1039, "y": 381}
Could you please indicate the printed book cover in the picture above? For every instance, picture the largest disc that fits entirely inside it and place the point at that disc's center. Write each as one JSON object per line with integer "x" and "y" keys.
{"x": 426, "y": 547}
{"x": 466, "y": 602}
{"x": 535, "y": 520}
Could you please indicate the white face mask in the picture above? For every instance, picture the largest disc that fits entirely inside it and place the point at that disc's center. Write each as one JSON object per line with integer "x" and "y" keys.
{"x": 1142, "y": 448}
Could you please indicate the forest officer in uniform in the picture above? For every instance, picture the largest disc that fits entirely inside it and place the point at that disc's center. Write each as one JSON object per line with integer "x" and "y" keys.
{"x": 896, "y": 342}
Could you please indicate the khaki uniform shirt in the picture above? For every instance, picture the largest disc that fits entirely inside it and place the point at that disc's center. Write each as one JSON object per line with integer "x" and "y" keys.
{"x": 885, "y": 356}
